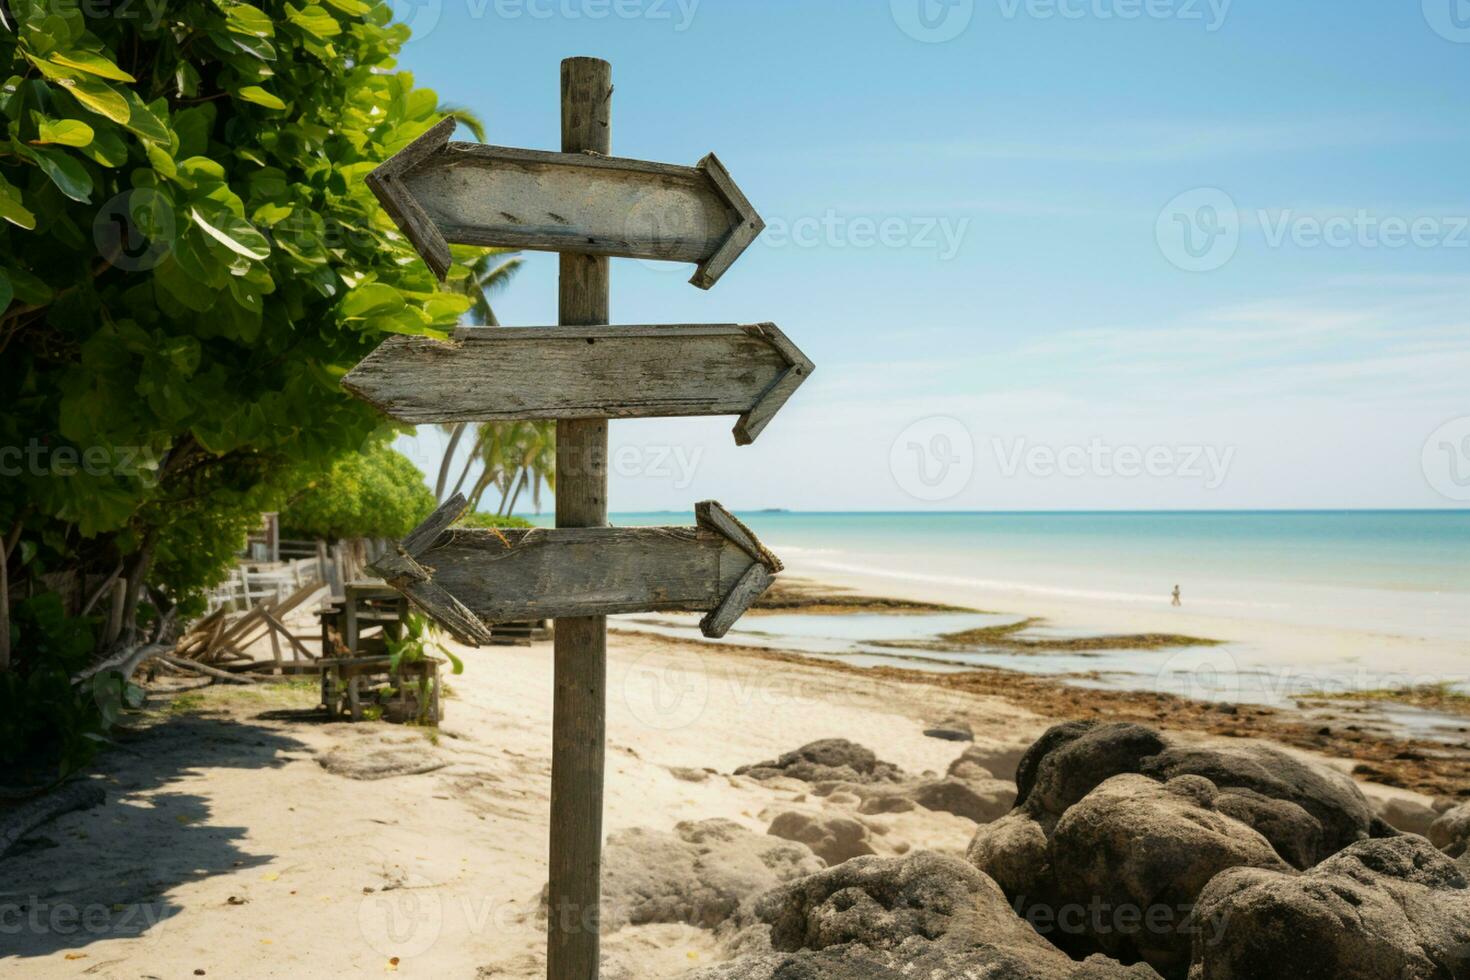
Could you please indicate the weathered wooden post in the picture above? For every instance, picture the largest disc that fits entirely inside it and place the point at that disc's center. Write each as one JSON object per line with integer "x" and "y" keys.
{"x": 580, "y": 705}
{"x": 582, "y": 373}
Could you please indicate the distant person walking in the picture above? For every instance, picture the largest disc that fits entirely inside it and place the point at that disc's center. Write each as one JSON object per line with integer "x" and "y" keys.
{"x": 1177, "y": 601}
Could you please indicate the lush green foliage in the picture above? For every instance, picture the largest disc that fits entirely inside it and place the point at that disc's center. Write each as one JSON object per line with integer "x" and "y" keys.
{"x": 189, "y": 263}
{"x": 374, "y": 494}
{"x": 485, "y": 520}
{"x": 186, "y": 338}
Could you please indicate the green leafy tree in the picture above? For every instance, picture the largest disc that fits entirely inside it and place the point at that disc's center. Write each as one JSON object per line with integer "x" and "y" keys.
{"x": 374, "y": 494}
{"x": 189, "y": 263}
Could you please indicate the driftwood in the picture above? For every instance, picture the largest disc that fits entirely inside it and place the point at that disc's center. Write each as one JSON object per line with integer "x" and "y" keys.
{"x": 473, "y": 194}
{"x": 207, "y": 671}
{"x": 25, "y": 818}
{"x": 586, "y": 373}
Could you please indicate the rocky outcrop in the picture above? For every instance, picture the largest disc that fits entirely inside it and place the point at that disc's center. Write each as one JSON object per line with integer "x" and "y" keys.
{"x": 832, "y": 838}
{"x": 923, "y": 915}
{"x": 1129, "y": 825}
{"x": 1451, "y": 831}
{"x": 1381, "y": 908}
{"x": 969, "y": 790}
{"x": 833, "y": 760}
{"x": 705, "y": 874}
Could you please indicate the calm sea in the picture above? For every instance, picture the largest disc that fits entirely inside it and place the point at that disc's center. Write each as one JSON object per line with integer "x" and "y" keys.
{"x": 1404, "y": 572}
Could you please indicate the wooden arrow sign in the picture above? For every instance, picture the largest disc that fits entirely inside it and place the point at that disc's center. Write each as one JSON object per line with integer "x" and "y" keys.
{"x": 491, "y": 374}
{"x": 464, "y": 578}
{"x": 440, "y": 192}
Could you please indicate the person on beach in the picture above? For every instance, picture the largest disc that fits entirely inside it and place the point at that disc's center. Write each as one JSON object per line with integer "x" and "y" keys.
{"x": 1176, "y": 596}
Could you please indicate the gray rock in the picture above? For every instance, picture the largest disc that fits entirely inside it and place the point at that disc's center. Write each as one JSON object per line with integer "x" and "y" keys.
{"x": 920, "y": 916}
{"x": 368, "y": 761}
{"x": 982, "y": 800}
{"x": 705, "y": 874}
{"x": 1166, "y": 818}
{"x": 827, "y": 760}
{"x": 951, "y": 730}
{"x": 972, "y": 764}
{"x": 1135, "y": 854}
{"x": 1379, "y": 909}
{"x": 834, "y": 839}
{"x": 1408, "y": 816}
{"x": 1331, "y": 797}
{"x": 1451, "y": 831}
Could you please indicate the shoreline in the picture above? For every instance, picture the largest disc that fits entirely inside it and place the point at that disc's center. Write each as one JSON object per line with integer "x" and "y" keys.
{"x": 1422, "y": 766}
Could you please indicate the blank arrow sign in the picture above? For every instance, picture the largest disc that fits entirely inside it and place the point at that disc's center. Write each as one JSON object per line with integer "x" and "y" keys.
{"x": 465, "y": 577}
{"x": 440, "y": 192}
{"x": 494, "y": 374}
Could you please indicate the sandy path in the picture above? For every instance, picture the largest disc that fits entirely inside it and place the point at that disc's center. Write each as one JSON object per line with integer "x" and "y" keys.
{"x": 333, "y": 876}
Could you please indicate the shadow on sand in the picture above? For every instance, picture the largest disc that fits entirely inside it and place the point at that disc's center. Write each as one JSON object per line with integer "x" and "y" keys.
{"x": 105, "y": 873}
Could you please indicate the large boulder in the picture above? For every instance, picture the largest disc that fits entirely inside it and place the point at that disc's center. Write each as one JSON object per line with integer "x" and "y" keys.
{"x": 833, "y": 838}
{"x": 923, "y": 915}
{"x": 1451, "y": 832}
{"x": 704, "y": 874}
{"x": 1140, "y": 852}
{"x": 1154, "y": 820}
{"x": 1379, "y": 909}
{"x": 828, "y": 760}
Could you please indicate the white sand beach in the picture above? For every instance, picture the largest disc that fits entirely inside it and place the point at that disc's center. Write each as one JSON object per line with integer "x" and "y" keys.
{"x": 237, "y": 842}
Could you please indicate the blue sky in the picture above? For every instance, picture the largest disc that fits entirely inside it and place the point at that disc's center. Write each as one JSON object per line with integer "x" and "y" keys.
{"x": 1083, "y": 254}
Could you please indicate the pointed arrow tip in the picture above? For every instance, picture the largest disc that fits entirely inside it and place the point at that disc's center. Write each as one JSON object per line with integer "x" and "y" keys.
{"x": 745, "y": 228}
{"x": 799, "y": 368}
{"x": 386, "y": 183}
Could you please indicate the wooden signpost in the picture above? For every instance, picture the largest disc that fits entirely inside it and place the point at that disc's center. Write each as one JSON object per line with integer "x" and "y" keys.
{"x": 590, "y": 372}
{"x": 587, "y": 206}
{"x": 578, "y": 201}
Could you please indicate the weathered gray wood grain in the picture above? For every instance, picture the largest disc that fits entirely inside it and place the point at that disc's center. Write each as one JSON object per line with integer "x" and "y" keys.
{"x": 439, "y": 191}
{"x": 507, "y": 373}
